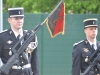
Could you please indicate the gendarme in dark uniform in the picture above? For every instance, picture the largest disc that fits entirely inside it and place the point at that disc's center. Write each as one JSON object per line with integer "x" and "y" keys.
{"x": 28, "y": 61}
{"x": 83, "y": 50}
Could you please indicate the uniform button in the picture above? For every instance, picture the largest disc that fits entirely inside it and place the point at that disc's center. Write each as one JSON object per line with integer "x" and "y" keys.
{"x": 9, "y": 48}
{"x": 21, "y": 56}
{"x": 22, "y": 62}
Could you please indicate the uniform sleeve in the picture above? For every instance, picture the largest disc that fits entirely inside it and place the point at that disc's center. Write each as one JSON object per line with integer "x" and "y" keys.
{"x": 76, "y": 61}
{"x": 1, "y": 53}
{"x": 1, "y": 46}
{"x": 34, "y": 62}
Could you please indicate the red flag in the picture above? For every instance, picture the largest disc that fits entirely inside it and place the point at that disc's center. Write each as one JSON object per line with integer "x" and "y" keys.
{"x": 56, "y": 20}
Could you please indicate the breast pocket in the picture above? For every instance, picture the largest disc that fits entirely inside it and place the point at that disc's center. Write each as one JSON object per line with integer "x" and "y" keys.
{"x": 8, "y": 49}
{"x": 85, "y": 57}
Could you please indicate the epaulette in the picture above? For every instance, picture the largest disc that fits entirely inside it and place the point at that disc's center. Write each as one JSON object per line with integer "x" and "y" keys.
{"x": 4, "y": 31}
{"x": 25, "y": 30}
{"x": 78, "y": 42}
{"x": 98, "y": 43}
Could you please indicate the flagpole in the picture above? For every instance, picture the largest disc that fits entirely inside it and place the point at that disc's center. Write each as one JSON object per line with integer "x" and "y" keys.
{"x": 55, "y": 8}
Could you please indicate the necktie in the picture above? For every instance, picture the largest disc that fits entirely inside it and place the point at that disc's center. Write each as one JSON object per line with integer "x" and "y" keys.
{"x": 93, "y": 48}
{"x": 18, "y": 46}
{"x": 18, "y": 37}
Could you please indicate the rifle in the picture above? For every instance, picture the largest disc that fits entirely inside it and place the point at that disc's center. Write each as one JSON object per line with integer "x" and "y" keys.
{"x": 14, "y": 58}
{"x": 93, "y": 60}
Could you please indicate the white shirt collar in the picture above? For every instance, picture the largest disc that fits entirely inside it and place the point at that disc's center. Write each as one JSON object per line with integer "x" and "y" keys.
{"x": 16, "y": 34}
{"x": 95, "y": 44}
{"x": 92, "y": 43}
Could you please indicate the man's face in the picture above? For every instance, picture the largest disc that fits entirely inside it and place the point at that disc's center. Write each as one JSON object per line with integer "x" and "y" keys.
{"x": 91, "y": 32}
{"x": 16, "y": 22}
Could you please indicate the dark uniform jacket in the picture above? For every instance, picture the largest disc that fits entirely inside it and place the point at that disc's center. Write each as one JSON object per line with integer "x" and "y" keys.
{"x": 7, "y": 41}
{"x": 80, "y": 55}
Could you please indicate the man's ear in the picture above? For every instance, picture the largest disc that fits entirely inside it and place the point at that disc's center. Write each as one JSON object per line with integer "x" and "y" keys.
{"x": 9, "y": 20}
{"x": 85, "y": 30}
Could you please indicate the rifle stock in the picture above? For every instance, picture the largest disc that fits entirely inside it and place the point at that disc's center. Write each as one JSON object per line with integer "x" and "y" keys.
{"x": 6, "y": 67}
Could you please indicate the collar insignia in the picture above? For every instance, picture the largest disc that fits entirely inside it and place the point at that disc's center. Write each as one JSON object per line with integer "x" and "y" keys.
{"x": 10, "y": 32}
{"x": 86, "y": 41}
{"x": 9, "y": 42}
{"x": 85, "y": 49}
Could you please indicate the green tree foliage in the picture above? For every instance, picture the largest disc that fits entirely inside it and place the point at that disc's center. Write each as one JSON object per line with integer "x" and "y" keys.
{"x": 46, "y": 6}
{"x": 83, "y": 6}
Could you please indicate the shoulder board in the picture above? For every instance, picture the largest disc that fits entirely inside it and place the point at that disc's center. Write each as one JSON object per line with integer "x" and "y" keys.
{"x": 78, "y": 42}
{"x": 4, "y": 31}
{"x": 25, "y": 30}
{"x": 98, "y": 43}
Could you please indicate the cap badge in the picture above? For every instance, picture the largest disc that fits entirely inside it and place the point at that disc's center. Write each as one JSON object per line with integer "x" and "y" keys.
{"x": 93, "y": 22}
{"x": 85, "y": 49}
{"x": 19, "y": 12}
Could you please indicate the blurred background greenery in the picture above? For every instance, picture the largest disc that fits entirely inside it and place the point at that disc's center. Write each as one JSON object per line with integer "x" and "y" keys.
{"x": 46, "y": 6}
